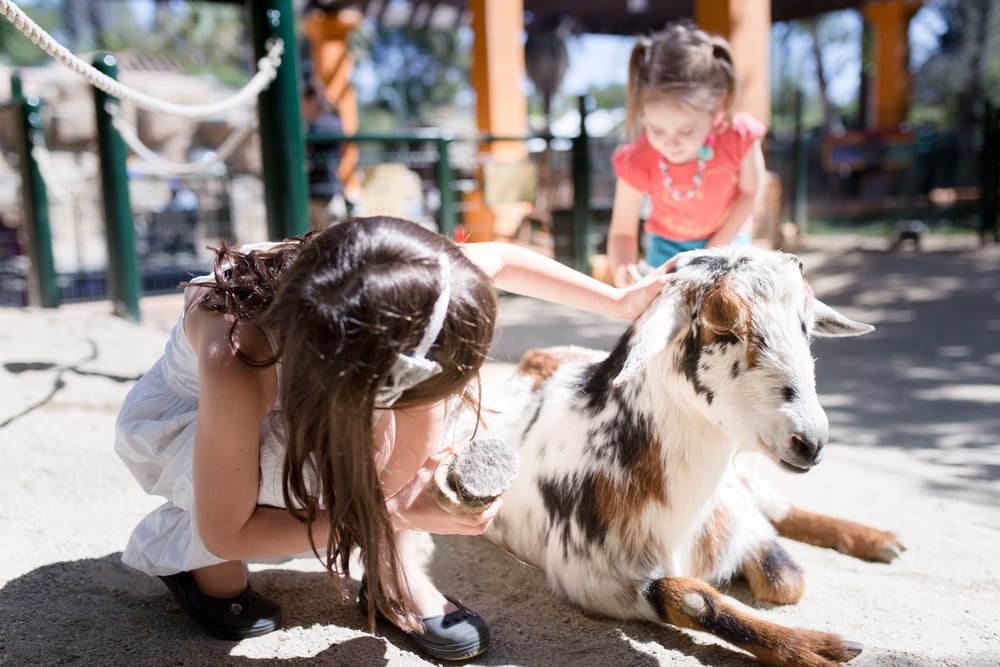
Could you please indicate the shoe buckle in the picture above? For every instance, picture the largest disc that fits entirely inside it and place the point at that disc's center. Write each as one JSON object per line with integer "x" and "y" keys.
{"x": 236, "y": 609}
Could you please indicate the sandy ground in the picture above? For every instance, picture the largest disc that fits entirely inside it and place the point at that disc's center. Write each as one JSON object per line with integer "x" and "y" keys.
{"x": 914, "y": 411}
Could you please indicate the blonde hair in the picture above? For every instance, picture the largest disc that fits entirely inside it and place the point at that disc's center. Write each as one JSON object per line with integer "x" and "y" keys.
{"x": 681, "y": 64}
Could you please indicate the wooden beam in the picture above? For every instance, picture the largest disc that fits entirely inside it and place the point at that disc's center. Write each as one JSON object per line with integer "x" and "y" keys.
{"x": 747, "y": 26}
{"x": 890, "y": 92}
{"x": 498, "y": 77}
{"x": 328, "y": 34}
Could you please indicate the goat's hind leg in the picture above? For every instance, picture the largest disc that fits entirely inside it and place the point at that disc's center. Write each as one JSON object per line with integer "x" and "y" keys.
{"x": 773, "y": 575}
{"x": 693, "y": 604}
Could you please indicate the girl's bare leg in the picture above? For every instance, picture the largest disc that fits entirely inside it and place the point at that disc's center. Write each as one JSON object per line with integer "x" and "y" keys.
{"x": 412, "y": 558}
{"x": 224, "y": 580}
{"x": 404, "y": 440}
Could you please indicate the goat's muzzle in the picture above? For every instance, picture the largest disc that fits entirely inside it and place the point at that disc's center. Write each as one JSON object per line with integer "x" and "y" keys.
{"x": 802, "y": 453}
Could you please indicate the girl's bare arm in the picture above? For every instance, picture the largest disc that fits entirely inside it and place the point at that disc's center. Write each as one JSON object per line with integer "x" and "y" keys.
{"x": 751, "y": 177}
{"x": 233, "y": 400}
{"x": 623, "y": 235}
{"x": 530, "y": 273}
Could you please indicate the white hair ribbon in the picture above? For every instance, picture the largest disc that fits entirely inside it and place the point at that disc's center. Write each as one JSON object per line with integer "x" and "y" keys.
{"x": 411, "y": 369}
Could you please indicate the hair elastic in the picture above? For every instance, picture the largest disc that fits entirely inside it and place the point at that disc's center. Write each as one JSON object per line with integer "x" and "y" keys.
{"x": 411, "y": 369}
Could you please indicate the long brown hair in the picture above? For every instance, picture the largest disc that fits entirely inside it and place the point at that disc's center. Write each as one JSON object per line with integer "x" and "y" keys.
{"x": 344, "y": 303}
{"x": 683, "y": 64}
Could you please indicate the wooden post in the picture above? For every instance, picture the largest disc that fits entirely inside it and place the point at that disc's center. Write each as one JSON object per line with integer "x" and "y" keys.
{"x": 328, "y": 33}
{"x": 501, "y": 108}
{"x": 747, "y": 26}
{"x": 889, "y": 91}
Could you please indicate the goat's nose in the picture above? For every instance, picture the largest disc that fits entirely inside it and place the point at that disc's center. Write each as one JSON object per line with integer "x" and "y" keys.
{"x": 807, "y": 451}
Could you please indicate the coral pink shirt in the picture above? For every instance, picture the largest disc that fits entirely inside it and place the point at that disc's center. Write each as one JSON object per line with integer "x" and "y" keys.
{"x": 638, "y": 164}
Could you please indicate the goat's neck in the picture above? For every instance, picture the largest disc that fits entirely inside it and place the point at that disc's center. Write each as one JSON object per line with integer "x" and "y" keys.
{"x": 694, "y": 450}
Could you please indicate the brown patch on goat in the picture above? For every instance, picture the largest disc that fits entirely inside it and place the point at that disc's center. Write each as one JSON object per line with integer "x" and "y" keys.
{"x": 619, "y": 501}
{"x": 773, "y": 575}
{"x": 725, "y": 314}
{"x": 541, "y": 364}
{"x": 693, "y": 604}
{"x": 848, "y": 537}
{"x": 715, "y": 533}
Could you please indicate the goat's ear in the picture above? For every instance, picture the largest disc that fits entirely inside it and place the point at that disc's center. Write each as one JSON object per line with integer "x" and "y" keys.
{"x": 831, "y": 324}
{"x": 650, "y": 334}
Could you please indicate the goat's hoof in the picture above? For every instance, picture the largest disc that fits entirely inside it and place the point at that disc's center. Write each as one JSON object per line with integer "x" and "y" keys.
{"x": 852, "y": 649}
{"x": 889, "y": 553}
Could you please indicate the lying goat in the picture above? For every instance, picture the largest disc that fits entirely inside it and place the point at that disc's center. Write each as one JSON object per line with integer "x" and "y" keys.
{"x": 627, "y": 496}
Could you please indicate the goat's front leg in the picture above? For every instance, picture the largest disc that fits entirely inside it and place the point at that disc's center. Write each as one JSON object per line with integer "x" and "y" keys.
{"x": 848, "y": 537}
{"x": 693, "y": 604}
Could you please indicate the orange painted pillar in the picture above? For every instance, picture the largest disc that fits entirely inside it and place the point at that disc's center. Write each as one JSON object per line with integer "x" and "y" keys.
{"x": 747, "y": 26}
{"x": 498, "y": 76}
{"x": 328, "y": 34}
{"x": 889, "y": 92}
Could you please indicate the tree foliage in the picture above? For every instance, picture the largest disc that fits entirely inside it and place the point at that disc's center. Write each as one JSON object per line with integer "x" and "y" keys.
{"x": 198, "y": 37}
{"x": 417, "y": 71}
{"x": 15, "y": 48}
{"x": 950, "y": 86}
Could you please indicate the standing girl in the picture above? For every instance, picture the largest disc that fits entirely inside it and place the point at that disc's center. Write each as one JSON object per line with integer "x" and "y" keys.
{"x": 298, "y": 408}
{"x": 700, "y": 165}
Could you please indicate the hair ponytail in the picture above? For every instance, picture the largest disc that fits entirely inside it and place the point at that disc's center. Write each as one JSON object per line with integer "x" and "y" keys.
{"x": 683, "y": 64}
{"x": 638, "y": 77}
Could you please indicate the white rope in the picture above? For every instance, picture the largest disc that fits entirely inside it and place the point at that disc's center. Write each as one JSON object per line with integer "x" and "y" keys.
{"x": 266, "y": 71}
{"x": 169, "y": 167}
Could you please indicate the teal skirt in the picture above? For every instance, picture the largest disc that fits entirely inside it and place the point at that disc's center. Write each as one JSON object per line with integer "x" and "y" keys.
{"x": 661, "y": 249}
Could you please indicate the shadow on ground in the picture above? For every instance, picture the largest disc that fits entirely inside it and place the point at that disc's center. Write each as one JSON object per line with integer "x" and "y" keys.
{"x": 927, "y": 381}
{"x": 110, "y": 614}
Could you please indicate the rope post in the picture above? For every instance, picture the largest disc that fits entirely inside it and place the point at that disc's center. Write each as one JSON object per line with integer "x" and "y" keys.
{"x": 281, "y": 124}
{"x": 43, "y": 287}
{"x": 580, "y": 161}
{"x": 446, "y": 212}
{"x": 123, "y": 275}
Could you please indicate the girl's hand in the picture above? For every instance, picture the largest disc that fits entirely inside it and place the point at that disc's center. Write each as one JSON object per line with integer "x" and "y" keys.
{"x": 414, "y": 507}
{"x": 627, "y": 274}
{"x": 637, "y": 294}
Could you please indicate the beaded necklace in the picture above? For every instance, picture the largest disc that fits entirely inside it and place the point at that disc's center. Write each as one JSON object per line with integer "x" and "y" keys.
{"x": 704, "y": 154}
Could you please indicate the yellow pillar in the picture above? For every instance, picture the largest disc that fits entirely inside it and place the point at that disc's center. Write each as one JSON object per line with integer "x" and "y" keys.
{"x": 889, "y": 92}
{"x": 498, "y": 76}
{"x": 747, "y": 26}
{"x": 328, "y": 34}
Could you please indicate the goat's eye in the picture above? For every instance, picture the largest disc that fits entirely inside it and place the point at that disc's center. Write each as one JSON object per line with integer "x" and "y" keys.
{"x": 805, "y": 329}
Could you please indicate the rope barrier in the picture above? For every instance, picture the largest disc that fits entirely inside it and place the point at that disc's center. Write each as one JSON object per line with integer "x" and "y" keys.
{"x": 168, "y": 167}
{"x": 53, "y": 186}
{"x": 267, "y": 68}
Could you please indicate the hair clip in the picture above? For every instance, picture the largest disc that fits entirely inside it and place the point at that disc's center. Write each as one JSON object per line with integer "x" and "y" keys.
{"x": 411, "y": 369}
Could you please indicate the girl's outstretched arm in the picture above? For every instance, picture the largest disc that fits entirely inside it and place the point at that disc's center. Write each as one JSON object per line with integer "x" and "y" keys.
{"x": 523, "y": 271}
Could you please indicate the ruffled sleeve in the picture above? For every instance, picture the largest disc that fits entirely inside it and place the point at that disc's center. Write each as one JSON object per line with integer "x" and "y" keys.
{"x": 748, "y": 130}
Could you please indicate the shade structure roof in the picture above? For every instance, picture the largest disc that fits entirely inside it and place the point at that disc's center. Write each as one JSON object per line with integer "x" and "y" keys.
{"x": 612, "y": 17}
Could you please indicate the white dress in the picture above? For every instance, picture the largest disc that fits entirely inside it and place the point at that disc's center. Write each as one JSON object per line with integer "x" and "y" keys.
{"x": 154, "y": 436}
